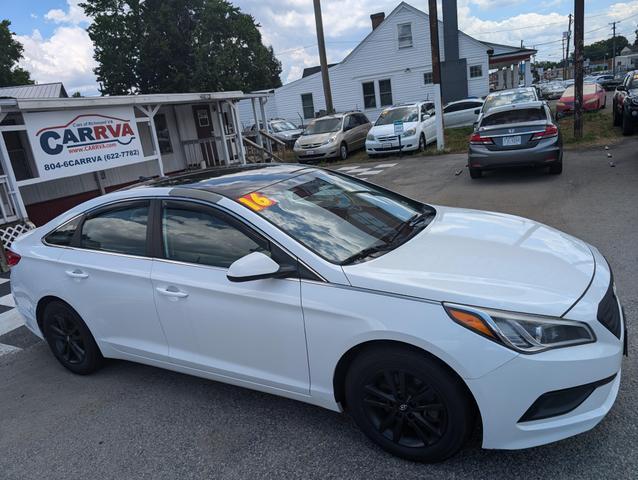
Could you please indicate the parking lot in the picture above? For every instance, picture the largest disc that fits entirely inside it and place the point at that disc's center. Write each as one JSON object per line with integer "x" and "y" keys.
{"x": 133, "y": 421}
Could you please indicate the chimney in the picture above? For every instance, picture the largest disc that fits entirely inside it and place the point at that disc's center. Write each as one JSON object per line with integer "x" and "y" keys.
{"x": 450, "y": 31}
{"x": 376, "y": 19}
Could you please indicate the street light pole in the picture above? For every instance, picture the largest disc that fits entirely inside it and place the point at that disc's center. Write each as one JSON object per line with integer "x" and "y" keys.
{"x": 579, "y": 23}
{"x": 436, "y": 74}
{"x": 327, "y": 92}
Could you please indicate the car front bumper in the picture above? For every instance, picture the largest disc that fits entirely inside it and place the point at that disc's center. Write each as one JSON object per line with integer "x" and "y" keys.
{"x": 546, "y": 152}
{"x": 316, "y": 154}
{"x": 408, "y": 144}
{"x": 506, "y": 394}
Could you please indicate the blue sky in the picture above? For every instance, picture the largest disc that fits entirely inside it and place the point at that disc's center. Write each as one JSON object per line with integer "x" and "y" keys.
{"x": 57, "y": 47}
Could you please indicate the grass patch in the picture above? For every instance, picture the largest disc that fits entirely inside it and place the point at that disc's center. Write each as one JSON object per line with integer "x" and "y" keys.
{"x": 597, "y": 129}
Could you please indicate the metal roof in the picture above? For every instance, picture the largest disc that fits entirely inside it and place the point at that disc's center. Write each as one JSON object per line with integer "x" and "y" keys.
{"x": 42, "y": 90}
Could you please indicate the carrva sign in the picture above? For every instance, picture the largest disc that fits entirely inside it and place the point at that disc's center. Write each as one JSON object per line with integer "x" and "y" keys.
{"x": 398, "y": 127}
{"x": 73, "y": 142}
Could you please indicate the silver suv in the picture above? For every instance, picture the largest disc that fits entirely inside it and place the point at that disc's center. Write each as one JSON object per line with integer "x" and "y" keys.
{"x": 332, "y": 136}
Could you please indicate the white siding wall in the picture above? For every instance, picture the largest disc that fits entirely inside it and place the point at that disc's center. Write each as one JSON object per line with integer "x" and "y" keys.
{"x": 377, "y": 58}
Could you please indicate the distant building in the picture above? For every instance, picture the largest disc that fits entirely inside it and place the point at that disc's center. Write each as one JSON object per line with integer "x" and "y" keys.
{"x": 392, "y": 65}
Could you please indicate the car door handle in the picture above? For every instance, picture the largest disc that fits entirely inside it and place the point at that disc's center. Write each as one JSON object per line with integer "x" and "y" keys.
{"x": 172, "y": 292}
{"x": 77, "y": 274}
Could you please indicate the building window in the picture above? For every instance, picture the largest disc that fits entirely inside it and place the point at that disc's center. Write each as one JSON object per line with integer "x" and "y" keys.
{"x": 405, "y": 35}
{"x": 385, "y": 92}
{"x": 476, "y": 71}
{"x": 307, "y": 105}
{"x": 369, "y": 96}
{"x": 428, "y": 78}
{"x": 163, "y": 135}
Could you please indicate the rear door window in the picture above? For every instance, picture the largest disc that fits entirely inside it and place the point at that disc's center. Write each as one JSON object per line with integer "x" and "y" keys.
{"x": 63, "y": 235}
{"x": 117, "y": 229}
{"x": 515, "y": 116}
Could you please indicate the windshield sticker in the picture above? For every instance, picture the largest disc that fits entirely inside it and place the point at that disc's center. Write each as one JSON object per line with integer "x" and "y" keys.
{"x": 256, "y": 201}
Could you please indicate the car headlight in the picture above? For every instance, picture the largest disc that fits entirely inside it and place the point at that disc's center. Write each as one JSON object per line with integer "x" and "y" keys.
{"x": 521, "y": 332}
{"x": 409, "y": 132}
{"x": 330, "y": 140}
{"x": 592, "y": 100}
{"x": 370, "y": 137}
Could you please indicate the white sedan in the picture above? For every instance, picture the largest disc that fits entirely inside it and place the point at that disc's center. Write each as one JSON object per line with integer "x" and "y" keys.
{"x": 420, "y": 321}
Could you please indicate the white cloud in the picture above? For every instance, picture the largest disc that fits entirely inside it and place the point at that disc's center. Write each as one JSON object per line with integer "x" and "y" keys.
{"x": 74, "y": 15}
{"x": 67, "y": 56}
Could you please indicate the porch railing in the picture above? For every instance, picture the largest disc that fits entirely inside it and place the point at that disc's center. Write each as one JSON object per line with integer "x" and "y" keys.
{"x": 202, "y": 150}
{"x": 8, "y": 208}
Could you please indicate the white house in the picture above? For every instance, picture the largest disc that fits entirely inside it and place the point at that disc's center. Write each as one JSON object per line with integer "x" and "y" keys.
{"x": 393, "y": 64}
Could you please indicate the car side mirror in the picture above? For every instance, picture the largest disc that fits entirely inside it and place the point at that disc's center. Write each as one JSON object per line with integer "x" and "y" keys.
{"x": 256, "y": 266}
{"x": 474, "y": 125}
{"x": 477, "y": 111}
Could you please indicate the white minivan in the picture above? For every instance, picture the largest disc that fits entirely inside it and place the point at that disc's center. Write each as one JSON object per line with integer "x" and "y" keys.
{"x": 418, "y": 129}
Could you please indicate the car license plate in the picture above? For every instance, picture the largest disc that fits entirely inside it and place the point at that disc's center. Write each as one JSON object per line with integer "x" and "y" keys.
{"x": 386, "y": 145}
{"x": 511, "y": 141}
{"x": 310, "y": 152}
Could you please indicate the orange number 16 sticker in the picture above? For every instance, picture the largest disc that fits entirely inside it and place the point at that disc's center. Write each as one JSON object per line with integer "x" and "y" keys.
{"x": 256, "y": 201}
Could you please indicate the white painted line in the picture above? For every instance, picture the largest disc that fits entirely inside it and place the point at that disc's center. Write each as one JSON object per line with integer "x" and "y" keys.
{"x": 7, "y": 349}
{"x": 359, "y": 170}
{"x": 371, "y": 172}
{"x": 345, "y": 169}
{"x": 7, "y": 301}
{"x": 10, "y": 321}
{"x": 385, "y": 165}
{"x": 3, "y": 281}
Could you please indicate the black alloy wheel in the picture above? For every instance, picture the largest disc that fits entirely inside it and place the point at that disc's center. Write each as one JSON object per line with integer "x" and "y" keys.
{"x": 422, "y": 143}
{"x": 409, "y": 403}
{"x": 69, "y": 339}
{"x": 405, "y": 409}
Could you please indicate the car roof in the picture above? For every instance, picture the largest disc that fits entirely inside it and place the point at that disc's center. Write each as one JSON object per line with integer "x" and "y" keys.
{"x": 511, "y": 90}
{"x": 514, "y": 106}
{"x": 233, "y": 181}
{"x": 468, "y": 99}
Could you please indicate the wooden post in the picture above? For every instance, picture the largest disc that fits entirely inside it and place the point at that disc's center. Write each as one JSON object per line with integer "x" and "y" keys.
{"x": 436, "y": 73}
{"x": 327, "y": 92}
{"x": 579, "y": 21}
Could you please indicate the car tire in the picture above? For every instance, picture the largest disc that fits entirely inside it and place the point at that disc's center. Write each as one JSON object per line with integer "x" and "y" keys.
{"x": 627, "y": 127}
{"x": 557, "y": 168}
{"x": 343, "y": 151}
{"x": 616, "y": 118}
{"x": 409, "y": 404}
{"x": 475, "y": 172}
{"x": 70, "y": 339}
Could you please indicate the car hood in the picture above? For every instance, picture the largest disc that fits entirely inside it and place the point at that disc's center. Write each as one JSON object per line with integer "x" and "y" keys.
{"x": 288, "y": 134}
{"x": 387, "y": 130}
{"x": 484, "y": 259}
{"x": 317, "y": 138}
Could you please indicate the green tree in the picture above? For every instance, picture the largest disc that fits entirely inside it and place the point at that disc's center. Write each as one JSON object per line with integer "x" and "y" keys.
{"x": 10, "y": 54}
{"x": 604, "y": 48}
{"x": 156, "y": 46}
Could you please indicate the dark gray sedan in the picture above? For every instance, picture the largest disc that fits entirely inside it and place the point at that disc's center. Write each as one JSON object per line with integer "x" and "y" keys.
{"x": 522, "y": 134}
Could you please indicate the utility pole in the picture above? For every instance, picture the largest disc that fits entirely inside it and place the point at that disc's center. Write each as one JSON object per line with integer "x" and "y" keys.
{"x": 327, "y": 92}
{"x": 613, "y": 46}
{"x": 563, "y": 53}
{"x": 436, "y": 74}
{"x": 579, "y": 25}
{"x": 569, "y": 38}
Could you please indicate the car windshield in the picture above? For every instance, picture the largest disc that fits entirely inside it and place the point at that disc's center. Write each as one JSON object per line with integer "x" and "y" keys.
{"x": 325, "y": 125}
{"x": 501, "y": 99}
{"x": 340, "y": 218}
{"x": 281, "y": 126}
{"x": 404, "y": 114}
{"x": 514, "y": 116}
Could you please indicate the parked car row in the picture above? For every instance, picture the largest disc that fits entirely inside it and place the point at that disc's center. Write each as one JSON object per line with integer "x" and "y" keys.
{"x": 625, "y": 103}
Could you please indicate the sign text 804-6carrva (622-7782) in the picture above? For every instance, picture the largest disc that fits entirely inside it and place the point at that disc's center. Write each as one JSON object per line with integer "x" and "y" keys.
{"x": 89, "y": 160}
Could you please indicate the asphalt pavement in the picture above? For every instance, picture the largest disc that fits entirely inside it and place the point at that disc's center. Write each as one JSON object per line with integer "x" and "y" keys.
{"x": 132, "y": 421}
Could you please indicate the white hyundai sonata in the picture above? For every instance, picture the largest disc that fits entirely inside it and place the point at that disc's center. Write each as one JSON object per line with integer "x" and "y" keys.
{"x": 420, "y": 321}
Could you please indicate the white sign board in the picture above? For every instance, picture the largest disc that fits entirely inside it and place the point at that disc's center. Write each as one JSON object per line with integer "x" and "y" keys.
{"x": 73, "y": 142}
{"x": 398, "y": 127}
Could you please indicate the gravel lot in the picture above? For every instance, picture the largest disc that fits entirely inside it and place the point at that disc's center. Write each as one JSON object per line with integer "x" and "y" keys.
{"x": 132, "y": 421}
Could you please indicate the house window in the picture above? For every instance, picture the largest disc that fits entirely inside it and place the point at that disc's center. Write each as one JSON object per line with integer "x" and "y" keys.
{"x": 428, "y": 78}
{"x": 369, "y": 96}
{"x": 163, "y": 135}
{"x": 385, "y": 92}
{"x": 405, "y": 35}
{"x": 307, "y": 105}
{"x": 476, "y": 71}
